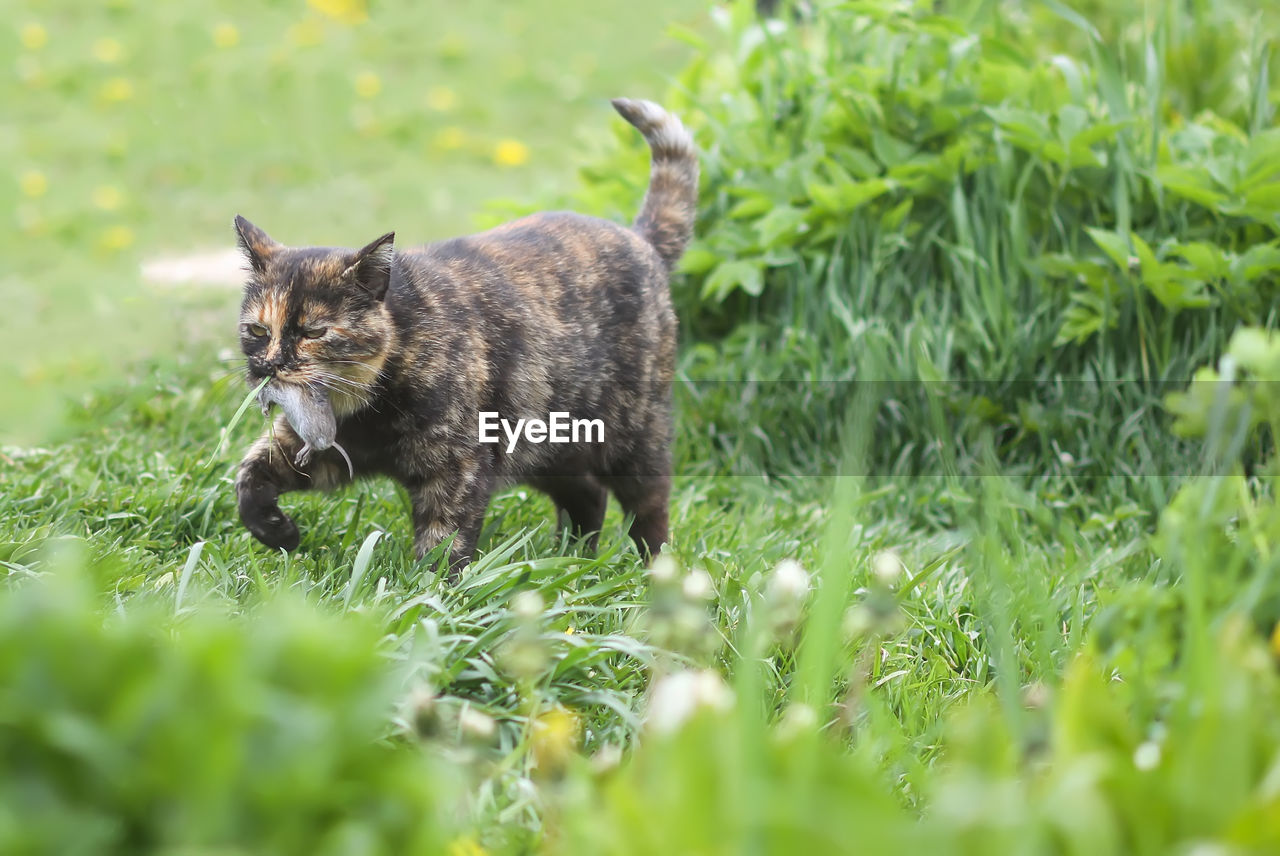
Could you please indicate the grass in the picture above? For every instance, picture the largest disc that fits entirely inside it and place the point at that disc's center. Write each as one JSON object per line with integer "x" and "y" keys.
{"x": 160, "y": 528}
{"x": 896, "y": 613}
{"x": 136, "y": 132}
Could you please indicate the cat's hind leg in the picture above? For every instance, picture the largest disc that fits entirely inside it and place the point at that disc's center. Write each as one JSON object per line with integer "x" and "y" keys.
{"x": 642, "y": 484}
{"x": 580, "y": 503}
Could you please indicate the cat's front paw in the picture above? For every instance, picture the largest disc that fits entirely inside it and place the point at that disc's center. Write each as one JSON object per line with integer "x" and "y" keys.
{"x": 262, "y": 516}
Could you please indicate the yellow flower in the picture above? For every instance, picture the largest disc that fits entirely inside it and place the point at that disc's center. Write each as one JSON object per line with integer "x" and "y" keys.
{"x": 33, "y": 36}
{"x": 225, "y": 36}
{"x": 554, "y": 738}
{"x": 307, "y": 32}
{"x": 568, "y": 631}
{"x": 346, "y": 11}
{"x": 450, "y": 138}
{"x": 33, "y": 184}
{"x": 108, "y": 197}
{"x": 441, "y": 98}
{"x": 510, "y": 153}
{"x": 116, "y": 238}
{"x": 368, "y": 84}
{"x": 117, "y": 89}
{"x": 108, "y": 51}
{"x": 465, "y": 846}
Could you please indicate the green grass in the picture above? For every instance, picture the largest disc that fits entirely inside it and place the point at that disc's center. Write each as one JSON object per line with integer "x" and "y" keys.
{"x": 134, "y": 487}
{"x": 136, "y": 131}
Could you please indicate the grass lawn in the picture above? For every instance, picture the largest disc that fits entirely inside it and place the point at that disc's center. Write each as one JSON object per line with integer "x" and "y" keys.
{"x": 136, "y": 131}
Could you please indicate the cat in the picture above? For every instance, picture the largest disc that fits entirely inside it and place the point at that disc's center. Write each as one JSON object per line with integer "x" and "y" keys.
{"x": 555, "y": 312}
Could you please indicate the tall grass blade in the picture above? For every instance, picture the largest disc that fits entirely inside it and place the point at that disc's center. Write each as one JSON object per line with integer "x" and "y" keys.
{"x": 193, "y": 559}
{"x": 361, "y": 566}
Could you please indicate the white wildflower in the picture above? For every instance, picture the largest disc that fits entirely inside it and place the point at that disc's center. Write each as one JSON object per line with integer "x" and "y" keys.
{"x": 677, "y": 697}
{"x": 698, "y": 585}
{"x": 886, "y": 566}
{"x": 788, "y": 581}
{"x": 663, "y": 569}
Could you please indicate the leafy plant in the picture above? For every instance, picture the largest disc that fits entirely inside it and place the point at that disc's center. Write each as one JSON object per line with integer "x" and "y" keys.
{"x": 134, "y": 732}
{"x": 1014, "y": 240}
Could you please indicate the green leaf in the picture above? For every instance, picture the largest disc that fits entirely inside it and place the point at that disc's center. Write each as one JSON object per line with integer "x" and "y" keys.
{"x": 1116, "y": 248}
{"x": 361, "y": 566}
{"x": 1257, "y": 262}
{"x": 892, "y": 219}
{"x": 1194, "y": 183}
{"x": 781, "y": 223}
{"x": 235, "y": 420}
{"x": 728, "y": 276}
{"x": 1146, "y": 258}
{"x": 698, "y": 259}
{"x": 753, "y": 206}
{"x": 1206, "y": 260}
{"x": 188, "y": 568}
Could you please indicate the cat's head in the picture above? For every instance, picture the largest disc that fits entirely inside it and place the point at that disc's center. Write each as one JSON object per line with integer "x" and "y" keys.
{"x": 316, "y": 316}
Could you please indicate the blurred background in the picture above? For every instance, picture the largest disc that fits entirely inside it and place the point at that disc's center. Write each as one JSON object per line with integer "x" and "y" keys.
{"x": 134, "y": 131}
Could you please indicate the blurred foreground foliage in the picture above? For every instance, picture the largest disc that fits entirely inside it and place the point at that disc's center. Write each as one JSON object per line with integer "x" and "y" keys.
{"x": 138, "y": 732}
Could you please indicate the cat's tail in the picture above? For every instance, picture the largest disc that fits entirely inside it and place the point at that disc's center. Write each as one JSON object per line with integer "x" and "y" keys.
{"x": 671, "y": 203}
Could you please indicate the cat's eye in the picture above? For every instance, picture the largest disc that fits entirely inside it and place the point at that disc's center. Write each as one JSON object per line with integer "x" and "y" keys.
{"x": 314, "y": 332}
{"x": 257, "y": 330}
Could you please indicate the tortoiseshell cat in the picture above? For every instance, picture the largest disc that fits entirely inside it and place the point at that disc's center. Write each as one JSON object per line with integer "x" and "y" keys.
{"x": 552, "y": 312}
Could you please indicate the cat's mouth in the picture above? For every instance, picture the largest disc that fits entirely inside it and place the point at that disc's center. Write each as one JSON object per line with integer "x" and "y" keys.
{"x": 345, "y": 388}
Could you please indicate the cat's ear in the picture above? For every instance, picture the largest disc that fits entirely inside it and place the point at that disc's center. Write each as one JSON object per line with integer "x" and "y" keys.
{"x": 370, "y": 267}
{"x": 258, "y": 246}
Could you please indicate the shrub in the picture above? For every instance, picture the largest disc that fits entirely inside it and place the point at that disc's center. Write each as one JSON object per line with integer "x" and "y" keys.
{"x": 136, "y": 733}
{"x": 1027, "y": 243}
